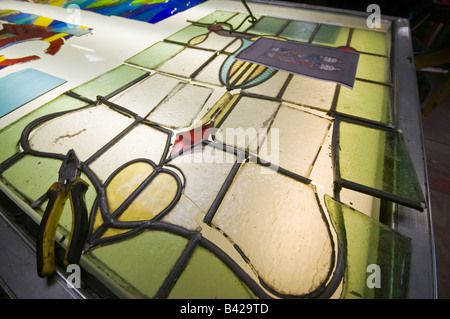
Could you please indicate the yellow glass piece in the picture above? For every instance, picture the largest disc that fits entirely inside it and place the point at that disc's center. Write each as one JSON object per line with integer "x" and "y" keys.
{"x": 43, "y": 21}
{"x": 153, "y": 200}
{"x": 374, "y": 68}
{"x": 224, "y": 110}
{"x": 126, "y": 182}
{"x": 370, "y": 41}
{"x": 56, "y": 37}
{"x": 366, "y": 100}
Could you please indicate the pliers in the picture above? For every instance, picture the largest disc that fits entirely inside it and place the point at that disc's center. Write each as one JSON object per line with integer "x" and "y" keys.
{"x": 69, "y": 185}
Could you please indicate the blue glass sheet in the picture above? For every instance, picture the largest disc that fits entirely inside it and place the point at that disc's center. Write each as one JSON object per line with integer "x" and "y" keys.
{"x": 19, "y": 88}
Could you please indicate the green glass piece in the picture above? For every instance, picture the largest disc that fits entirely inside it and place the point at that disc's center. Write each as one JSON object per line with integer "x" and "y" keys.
{"x": 141, "y": 264}
{"x": 370, "y": 41}
{"x": 109, "y": 82}
{"x": 267, "y": 26}
{"x": 377, "y": 258}
{"x": 207, "y": 277}
{"x": 378, "y": 159}
{"x": 217, "y": 16}
{"x": 10, "y": 135}
{"x": 331, "y": 35}
{"x": 185, "y": 35}
{"x": 156, "y": 55}
{"x": 367, "y": 100}
{"x": 298, "y": 31}
{"x": 373, "y": 68}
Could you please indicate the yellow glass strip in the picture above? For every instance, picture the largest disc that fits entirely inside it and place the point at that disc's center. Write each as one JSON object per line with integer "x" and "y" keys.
{"x": 43, "y": 21}
{"x": 214, "y": 110}
{"x": 56, "y": 37}
{"x": 238, "y": 72}
{"x": 257, "y": 72}
{"x": 247, "y": 74}
{"x": 236, "y": 65}
{"x": 2, "y": 59}
{"x": 225, "y": 110}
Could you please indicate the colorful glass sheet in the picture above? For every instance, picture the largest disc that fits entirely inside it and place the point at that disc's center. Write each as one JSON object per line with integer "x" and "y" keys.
{"x": 21, "y": 87}
{"x": 331, "y": 35}
{"x": 22, "y": 27}
{"x": 377, "y": 257}
{"x": 151, "y": 11}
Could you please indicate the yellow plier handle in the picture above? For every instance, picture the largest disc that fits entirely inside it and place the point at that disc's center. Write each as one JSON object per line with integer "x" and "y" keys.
{"x": 45, "y": 244}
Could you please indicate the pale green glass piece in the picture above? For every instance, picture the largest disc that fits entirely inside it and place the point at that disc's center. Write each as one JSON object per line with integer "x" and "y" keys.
{"x": 370, "y": 41}
{"x": 331, "y": 35}
{"x": 141, "y": 264}
{"x": 373, "y": 68}
{"x": 156, "y": 55}
{"x": 217, "y": 16}
{"x": 367, "y": 100}
{"x": 298, "y": 31}
{"x": 207, "y": 277}
{"x": 378, "y": 159}
{"x": 377, "y": 258}
{"x": 185, "y": 35}
{"x": 10, "y": 135}
{"x": 267, "y": 26}
{"x": 109, "y": 82}
{"x": 277, "y": 223}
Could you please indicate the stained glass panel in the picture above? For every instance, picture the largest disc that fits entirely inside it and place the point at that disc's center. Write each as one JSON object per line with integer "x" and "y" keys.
{"x": 176, "y": 154}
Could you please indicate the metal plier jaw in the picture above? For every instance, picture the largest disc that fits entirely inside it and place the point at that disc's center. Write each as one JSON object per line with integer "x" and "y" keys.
{"x": 69, "y": 186}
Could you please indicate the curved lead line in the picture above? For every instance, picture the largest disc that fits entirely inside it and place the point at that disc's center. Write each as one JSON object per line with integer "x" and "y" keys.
{"x": 111, "y": 218}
